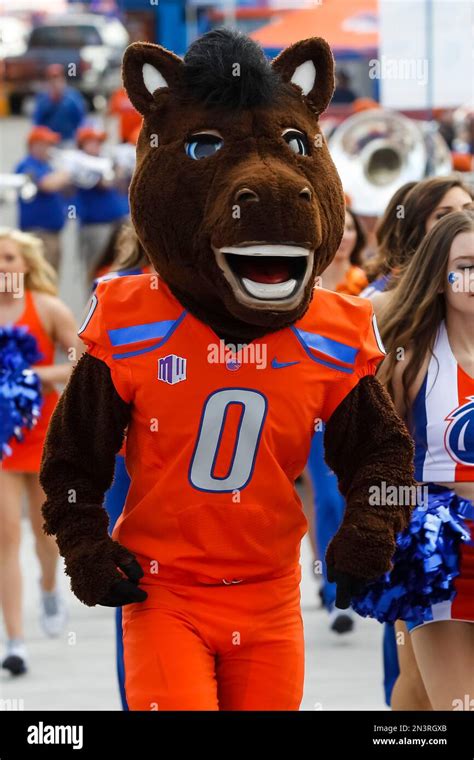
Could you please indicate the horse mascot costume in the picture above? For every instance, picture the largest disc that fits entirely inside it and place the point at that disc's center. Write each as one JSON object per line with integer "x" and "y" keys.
{"x": 218, "y": 369}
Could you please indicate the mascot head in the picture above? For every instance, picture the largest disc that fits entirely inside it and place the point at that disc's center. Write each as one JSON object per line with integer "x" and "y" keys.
{"x": 235, "y": 197}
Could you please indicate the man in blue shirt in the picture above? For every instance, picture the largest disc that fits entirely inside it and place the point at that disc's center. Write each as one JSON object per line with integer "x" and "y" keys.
{"x": 45, "y": 213}
{"x": 61, "y": 108}
{"x": 101, "y": 208}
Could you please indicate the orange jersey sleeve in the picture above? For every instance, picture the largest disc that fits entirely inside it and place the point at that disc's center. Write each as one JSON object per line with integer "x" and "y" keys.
{"x": 340, "y": 333}
{"x": 94, "y": 333}
{"x": 370, "y": 352}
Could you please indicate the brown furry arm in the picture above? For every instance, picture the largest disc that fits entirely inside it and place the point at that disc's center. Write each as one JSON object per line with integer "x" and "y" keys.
{"x": 366, "y": 444}
{"x": 85, "y": 433}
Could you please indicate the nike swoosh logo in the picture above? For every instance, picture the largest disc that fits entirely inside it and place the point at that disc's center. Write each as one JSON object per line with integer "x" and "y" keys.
{"x": 278, "y": 365}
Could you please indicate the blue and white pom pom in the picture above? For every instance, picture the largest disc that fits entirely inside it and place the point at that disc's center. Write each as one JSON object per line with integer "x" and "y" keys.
{"x": 425, "y": 564}
{"x": 20, "y": 387}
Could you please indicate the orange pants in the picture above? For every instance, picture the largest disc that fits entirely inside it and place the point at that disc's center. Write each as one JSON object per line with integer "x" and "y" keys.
{"x": 215, "y": 647}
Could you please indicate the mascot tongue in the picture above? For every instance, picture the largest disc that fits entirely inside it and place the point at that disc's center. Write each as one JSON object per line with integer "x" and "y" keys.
{"x": 263, "y": 269}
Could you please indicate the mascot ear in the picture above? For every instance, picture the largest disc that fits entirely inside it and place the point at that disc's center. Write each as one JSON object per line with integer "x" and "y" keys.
{"x": 309, "y": 64}
{"x": 147, "y": 68}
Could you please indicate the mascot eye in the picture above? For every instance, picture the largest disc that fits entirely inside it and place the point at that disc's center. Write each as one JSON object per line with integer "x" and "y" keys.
{"x": 297, "y": 141}
{"x": 203, "y": 146}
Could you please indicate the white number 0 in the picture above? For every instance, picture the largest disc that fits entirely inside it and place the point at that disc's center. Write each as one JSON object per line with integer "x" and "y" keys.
{"x": 254, "y": 409}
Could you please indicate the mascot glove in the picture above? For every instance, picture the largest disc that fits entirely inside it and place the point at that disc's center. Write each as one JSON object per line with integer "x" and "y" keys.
{"x": 103, "y": 572}
{"x": 356, "y": 556}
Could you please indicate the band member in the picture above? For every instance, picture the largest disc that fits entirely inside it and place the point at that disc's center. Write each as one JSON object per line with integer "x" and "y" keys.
{"x": 59, "y": 107}
{"x": 45, "y": 213}
{"x": 101, "y": 208}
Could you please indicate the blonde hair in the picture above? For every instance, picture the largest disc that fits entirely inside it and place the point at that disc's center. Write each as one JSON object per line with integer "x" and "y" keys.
{"x": 40, "y": 276}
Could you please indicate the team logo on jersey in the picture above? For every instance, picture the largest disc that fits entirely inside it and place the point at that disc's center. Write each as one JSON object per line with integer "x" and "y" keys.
{"x": 233, "y": 365}
{"x": 459, "y": 436}
{"x": 172, "y": 369}
{"x": 279, "y": 365}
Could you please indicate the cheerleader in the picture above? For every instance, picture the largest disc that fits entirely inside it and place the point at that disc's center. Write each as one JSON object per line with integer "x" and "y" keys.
{"x": 405, "y": 224}
{"x": 401, "y": 227}
{"x": 429, "y": 328}
{"x": 412, "y": 212}
{"x": 34, "y": 306}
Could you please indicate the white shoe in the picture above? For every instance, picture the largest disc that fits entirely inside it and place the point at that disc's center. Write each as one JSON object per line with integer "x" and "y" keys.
{"x": 53, "y": 614}
{"x": 341, "y": 621}
{"x": 15, "y": 659}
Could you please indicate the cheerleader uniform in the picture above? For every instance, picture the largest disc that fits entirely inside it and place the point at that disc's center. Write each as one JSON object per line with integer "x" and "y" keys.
{"x": 26, "y": 455}
{"x": 432, "y": 577}
{"x": 443, "y": 429}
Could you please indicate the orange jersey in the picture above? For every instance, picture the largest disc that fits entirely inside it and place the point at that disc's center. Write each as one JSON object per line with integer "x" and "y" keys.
{"x": 216, "y": 441}
{"x": 26, "y": 454}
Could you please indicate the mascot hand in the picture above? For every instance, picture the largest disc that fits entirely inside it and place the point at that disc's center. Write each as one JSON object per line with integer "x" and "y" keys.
{"x": 104, "y": 572}
{"x": 347, "y": 586}
{"x": 355, "y": 556}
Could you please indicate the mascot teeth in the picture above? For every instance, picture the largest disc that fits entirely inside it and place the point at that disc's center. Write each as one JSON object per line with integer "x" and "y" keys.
{"x": 266, "y": 250}
{"x": 266, "y": 272}
{"x": 269, "y": 292}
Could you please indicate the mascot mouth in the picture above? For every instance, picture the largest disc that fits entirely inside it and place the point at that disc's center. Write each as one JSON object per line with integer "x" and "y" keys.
{"x": 266, "y": 274}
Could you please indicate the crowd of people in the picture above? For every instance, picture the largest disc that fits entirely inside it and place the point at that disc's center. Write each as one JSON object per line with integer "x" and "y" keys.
{"x": 61, "y": 147}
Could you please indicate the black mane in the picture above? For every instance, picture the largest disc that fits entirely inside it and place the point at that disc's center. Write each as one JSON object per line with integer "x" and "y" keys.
{"x": 210, "y": 66}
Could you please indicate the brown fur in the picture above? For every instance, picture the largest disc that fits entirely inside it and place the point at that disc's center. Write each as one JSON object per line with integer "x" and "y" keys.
{"x": 77, "y": 468}
{"x": 366, "y": 443}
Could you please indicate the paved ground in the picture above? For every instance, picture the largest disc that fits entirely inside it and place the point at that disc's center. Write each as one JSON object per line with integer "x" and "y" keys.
{"x": 78, "y": 670}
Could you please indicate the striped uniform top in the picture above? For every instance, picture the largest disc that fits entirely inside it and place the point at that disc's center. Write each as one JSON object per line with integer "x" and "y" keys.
{"x": 443, "y": 419}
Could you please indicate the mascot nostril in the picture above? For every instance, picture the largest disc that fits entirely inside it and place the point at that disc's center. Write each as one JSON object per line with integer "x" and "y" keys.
{"x": 220, "y": 367}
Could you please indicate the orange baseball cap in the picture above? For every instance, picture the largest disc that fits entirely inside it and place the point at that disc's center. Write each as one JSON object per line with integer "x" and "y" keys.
{"x": 43, "y": 134}
{"x": 89, "y": 133}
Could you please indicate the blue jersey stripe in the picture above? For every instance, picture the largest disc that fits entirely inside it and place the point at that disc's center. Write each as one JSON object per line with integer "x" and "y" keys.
{"x": 123, "y": 336}
{"x": 174, "y": 325}
{"x": 419, "y": 423}
{"x": 318, "y": 359}
{"x": 331, "y": 348}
